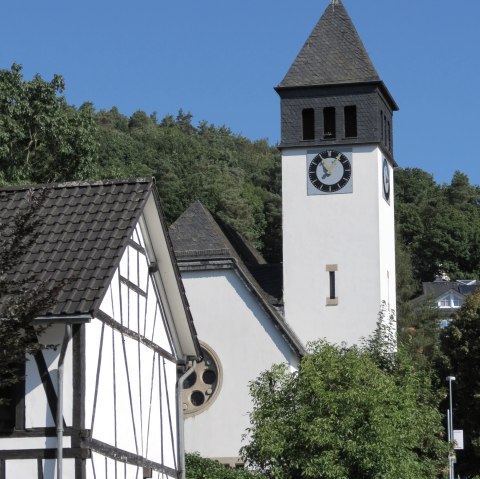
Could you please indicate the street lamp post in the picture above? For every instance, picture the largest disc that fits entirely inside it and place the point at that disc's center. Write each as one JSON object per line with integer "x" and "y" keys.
{"x": 451, "y": 455}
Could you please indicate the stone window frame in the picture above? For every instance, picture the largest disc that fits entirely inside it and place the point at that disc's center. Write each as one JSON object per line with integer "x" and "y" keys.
{"x": 199, "y": 386}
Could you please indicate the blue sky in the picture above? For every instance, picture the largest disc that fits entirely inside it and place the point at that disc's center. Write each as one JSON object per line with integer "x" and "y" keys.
{"x": 220, "y": 59}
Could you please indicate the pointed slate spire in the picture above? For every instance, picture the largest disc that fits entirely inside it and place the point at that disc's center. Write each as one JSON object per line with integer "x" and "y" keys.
{"x": 332, "y": 54}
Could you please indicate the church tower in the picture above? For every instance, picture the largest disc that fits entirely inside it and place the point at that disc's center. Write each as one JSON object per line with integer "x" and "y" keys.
{"x": 337, "y": 186}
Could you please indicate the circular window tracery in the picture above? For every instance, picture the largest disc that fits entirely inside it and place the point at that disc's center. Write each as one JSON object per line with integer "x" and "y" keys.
{"x": 201, "y": 388}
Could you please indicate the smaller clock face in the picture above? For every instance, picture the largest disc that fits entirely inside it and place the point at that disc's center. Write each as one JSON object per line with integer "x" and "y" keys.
{"x": 330, "y": 171}
{"x": 386, "y": 180}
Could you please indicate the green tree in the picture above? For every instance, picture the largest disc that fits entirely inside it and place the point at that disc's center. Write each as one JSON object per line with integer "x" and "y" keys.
{"x": 345, "y": 415}
{"x": 42, "y": 138}
{"x": 461, "y": 347}
{"x": 235, "y": 178}
{"x": 439, "y": 226}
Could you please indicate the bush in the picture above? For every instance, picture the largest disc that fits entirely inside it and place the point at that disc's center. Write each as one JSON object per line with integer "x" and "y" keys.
{"x": 200, "y": 468}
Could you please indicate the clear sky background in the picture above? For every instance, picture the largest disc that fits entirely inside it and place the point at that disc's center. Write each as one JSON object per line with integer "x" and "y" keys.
{"x": 220, "y": 59}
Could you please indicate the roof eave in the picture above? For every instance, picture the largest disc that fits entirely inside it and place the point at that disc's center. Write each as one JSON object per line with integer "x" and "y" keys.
{"x": 192, "y": 350}
{"x": 64, "y": 319}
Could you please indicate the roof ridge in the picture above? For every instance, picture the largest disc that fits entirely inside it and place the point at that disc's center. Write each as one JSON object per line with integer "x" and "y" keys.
{"x": 79, "y": 183}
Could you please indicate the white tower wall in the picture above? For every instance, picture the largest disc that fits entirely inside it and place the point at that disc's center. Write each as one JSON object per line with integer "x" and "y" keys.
{"x": 352, "y": 233}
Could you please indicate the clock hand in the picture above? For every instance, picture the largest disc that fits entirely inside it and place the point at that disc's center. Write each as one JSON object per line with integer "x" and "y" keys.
{"x": 325, "y": 168}
{"x": 332, "y": 166}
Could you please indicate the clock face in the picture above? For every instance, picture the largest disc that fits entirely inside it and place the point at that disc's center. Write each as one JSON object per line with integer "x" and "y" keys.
{"x": 386, "y": 180}
{"x": 330, "y": 172}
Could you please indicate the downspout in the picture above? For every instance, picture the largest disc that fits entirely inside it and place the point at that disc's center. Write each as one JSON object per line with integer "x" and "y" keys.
{"x": 181, "y": 432}
{"x": 66, "y": 339}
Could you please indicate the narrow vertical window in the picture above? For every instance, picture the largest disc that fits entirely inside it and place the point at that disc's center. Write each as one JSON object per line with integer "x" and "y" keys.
{"x": 350, "y": 113}
{"x": 332, "y": 299}
{"x": 329, "y": 123}
{"x": 332, "y": 284}
{"x": 389, "y": 136}
{"x": 381, "y": 125}
{"x": 308, "y": 123}
{"x": 385, "y": 128}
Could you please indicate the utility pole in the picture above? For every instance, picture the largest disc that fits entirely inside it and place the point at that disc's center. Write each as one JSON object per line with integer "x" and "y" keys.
{"x": 451, "y": 453}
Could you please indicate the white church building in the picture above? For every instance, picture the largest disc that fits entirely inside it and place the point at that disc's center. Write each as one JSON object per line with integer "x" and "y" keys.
{"x": 338, "y": 267}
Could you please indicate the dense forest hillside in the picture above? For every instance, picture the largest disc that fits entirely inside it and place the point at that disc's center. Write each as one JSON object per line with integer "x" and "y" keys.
{"x": 44, "y": 139}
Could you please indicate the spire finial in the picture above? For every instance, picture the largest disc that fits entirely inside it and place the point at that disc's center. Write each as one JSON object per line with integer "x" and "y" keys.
{"x": 333, "y": 3}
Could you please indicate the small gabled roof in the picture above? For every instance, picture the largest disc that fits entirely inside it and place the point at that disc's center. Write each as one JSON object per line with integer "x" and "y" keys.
{"x": 333, "y": 54}
{"x": 200, "y": 239}
{"x": 195, "y": 233}
{"x": 81, "y": 232}
{"x": 437, "y": 289}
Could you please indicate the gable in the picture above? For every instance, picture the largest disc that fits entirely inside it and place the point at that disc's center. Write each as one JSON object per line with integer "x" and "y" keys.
{"x": 451, "y": 299}
{"x": 132, "y": 299}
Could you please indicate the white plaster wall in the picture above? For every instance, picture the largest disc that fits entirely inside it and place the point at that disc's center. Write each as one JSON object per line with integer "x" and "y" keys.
{"x": 14, "y": 443}
{"x": 145, "y": 425}
{"x": 101, "y": 467}
{"x": 387, "y": 245}
{"x": 49, "y": 468}
{"x": 169, "y": 408}
{"x": 133, "y": 379}
{"x": 37, "y": 410}
{"x": 141, "y": 315}
{"x": 24, "y": 468}
{"x": 230, "y": 320}
{"x": 28, "y": 469}
{"x": 341, "y": 229}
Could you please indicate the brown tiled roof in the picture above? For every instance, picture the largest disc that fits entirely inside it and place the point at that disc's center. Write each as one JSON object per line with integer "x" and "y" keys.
{"x": 82, "y": 231}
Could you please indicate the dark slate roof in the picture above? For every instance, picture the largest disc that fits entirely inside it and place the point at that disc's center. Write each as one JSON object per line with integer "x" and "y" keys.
{"x": 196, "y": 233}
{"x": 198, "y": 236}
{"x": 81, "y": 234}
{"x": 436, "y": 289}
{"x": 332, "y": 54}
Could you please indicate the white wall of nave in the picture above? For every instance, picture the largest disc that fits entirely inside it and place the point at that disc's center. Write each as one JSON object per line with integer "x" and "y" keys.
{"x": 229, "y": 318}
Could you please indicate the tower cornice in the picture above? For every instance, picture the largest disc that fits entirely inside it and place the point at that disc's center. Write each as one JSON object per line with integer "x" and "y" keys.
{"x": 380, "y": 84}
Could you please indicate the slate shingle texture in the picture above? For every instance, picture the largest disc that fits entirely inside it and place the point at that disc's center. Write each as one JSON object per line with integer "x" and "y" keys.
{"x": 82, "y": 231}
{"x": 198, "y": 235}
{"x": 332, "y": 54}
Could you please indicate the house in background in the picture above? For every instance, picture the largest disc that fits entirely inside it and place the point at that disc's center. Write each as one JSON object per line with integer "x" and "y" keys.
{"x": 102, "y": 403}
{"x": 447, "y": 295}
{"x": 235, "y": 299}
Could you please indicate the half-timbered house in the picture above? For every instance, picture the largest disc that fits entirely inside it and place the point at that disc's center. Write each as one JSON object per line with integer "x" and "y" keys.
{"x": 100, "y": 400}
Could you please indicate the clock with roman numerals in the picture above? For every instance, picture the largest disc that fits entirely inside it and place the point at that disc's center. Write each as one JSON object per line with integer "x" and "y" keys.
{"x": 329, "y": 172}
